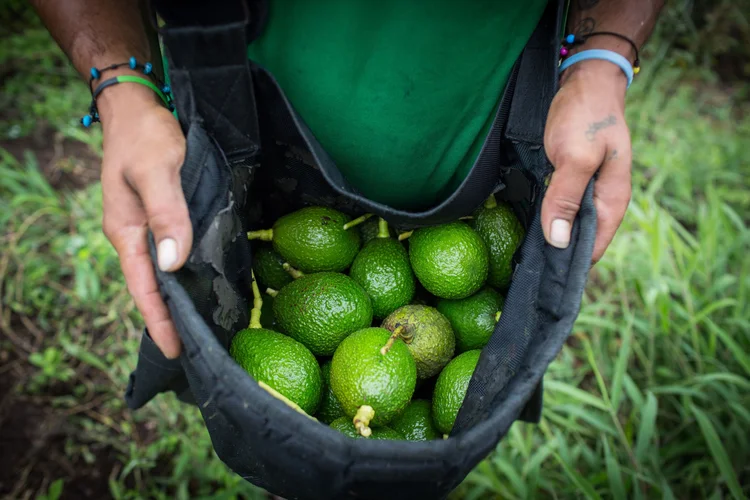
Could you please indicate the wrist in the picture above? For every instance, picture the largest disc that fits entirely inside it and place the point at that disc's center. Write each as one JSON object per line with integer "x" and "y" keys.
{"x": 125, "y": 97}
{"x": 597, "y": 72}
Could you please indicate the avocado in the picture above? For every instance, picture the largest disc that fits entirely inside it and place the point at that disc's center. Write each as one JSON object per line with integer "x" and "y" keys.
{"x": 313, "y": 239}
{"x": 369, "y": 230}
{"x": 373, "y": 376}
{"x": 330, "y": 408}
{"x": 503, "y": 234}
{"x": 281, "y": 362}
{"x": 267, "y": 265}
{"x": 450, "y": 260}
{"x": 450, "y": 389}
{"x": 267, "y": 317}
{"x": 320, "y": 310}
{"x": 415, "y": 423}
{"x": 384, "y": 271}
{"x": 428, "y": 336}
{"x": 345, "y": 426}
{"x": 474, "y": 318}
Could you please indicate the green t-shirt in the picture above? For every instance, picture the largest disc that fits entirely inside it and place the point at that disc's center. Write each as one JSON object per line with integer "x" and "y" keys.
{"x": 400, "y": 93}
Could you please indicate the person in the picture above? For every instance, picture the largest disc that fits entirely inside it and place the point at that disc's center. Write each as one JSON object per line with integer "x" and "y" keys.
{"x": 361, "y": 74}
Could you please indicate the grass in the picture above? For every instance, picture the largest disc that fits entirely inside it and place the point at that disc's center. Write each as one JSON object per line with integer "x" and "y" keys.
{"x": 649, "y": 399}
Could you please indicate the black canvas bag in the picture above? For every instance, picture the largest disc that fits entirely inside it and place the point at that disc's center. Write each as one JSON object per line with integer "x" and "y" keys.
{"x": 249, "y": 159}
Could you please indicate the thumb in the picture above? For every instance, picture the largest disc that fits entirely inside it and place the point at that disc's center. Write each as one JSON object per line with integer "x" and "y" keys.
{"x": 160, "y": 191}
{"x": 562, "y": 202}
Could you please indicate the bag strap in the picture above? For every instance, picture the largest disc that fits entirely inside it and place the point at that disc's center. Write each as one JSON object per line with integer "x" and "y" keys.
{"x": 209, "y": 70}
{"x": 536, "y": 86}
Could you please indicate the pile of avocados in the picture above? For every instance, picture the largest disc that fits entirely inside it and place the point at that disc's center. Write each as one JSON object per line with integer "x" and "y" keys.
{"x": 375, "y": 334}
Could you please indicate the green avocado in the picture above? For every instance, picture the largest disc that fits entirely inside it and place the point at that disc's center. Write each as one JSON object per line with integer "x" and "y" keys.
{"x": 415, "y": 423}
{"x": 450, "y": 389}
{"x": 503, "y": 234}
{"x": 313, "y": 239}
{"x": 474, "y": 318}
{"x": 369, "y": 230}
{"x": 384, "y": 271}
{"x": 427, "y": 334}
{"x": 267, "y": 264}
{"x": 281, "y": 362}
{"x": 450, "y": 260}
{"x": 320, "y": 310}
{"x": 330, "y": 408}
{"x": 371, "y": 369}
{"x": 345, "y": 426}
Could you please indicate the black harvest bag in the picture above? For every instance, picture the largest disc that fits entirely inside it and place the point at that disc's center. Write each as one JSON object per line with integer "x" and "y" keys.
{"x": 249, "y": 159}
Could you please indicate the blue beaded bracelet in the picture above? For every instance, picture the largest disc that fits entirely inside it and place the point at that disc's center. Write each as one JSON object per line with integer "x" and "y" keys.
{"x": 163, "y": 91}
{"x": 605, "y": 55}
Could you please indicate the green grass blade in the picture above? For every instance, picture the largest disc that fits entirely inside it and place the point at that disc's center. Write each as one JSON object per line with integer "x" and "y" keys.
{"x": 581, "y": 483}
{"x": 647, "y": 428}
{"x": 621, "y": 367}
{"x": 614, "y": 474}
{"x": 718, "y": 452}
{"x": 575, "y": 393}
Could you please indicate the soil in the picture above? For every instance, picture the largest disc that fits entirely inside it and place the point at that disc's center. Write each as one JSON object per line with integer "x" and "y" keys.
{"x": 35, "y": 435}
{"x": 67, "y": 164}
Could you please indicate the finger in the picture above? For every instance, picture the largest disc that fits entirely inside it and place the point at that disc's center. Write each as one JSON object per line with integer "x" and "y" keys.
{"x": 563, "y": 200}
{"x": 125, "y": 226}
{"x": 611, "y": 197}
{"x": 160, "y": 192}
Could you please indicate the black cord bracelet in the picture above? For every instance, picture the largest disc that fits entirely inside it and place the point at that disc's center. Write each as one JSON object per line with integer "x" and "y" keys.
{"x": 573, "y": 40}
{"x": 163, "y": 91}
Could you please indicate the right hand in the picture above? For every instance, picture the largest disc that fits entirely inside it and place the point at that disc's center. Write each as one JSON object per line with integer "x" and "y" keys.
{"x": 144, "y": 149}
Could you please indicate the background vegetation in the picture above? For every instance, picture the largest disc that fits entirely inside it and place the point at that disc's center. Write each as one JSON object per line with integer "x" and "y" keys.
{"x": 649, "y": 399}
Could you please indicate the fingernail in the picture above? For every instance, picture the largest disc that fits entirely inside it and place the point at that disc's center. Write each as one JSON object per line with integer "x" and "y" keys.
{"x": 166, "y": 254}
{"x": 559, "y": 233}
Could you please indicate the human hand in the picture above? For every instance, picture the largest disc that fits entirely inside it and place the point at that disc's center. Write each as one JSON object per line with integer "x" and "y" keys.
{"x": 144, "y": 149}
{"x": 585, "y": 133}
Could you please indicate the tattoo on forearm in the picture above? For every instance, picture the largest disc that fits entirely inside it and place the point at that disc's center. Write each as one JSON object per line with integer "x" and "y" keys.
{"x": 613, "y": 156}
{"x": 585, "y": 27}
{"x": 587, "y": 4}
{"x": 597, "y": 126}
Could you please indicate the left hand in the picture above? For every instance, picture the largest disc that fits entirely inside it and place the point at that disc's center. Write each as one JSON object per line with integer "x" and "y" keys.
{"x": 585, "y": 133}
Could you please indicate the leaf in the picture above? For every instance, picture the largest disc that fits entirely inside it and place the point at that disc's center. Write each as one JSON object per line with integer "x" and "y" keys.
{"x": 613, "y": 473}
{"x": 647, "y": 428}
{"x": 621, "y": 367}
{"x": 514, "y": 478}
{"x": 55, "y": 489}
{"x": 579, "y": 395}
{"x": 578, "y": 480}
{"x": 718, "y": 452}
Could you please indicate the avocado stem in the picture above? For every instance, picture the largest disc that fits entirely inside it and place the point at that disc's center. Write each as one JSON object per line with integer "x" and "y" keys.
{"x": 357, "y": 221}
{"x": 261, "y": 234}
{"x": 272, "y": 292}
{"x": 403, "y": 236}
{"x": 294, "y": 273}
{"x": 396, "y": 334}
{"x": 466, "y": 217}
{"x": 362, "y": 420}
{"x": 383, "y": 229}
{"x": 490, "y": 202}
{"x": 257, "y": 305}
{"x": 273, "y": 392}
{"x": 497, "y": 316}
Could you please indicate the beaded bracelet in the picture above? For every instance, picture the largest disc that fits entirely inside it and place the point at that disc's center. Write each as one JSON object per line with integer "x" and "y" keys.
{"x": 163, "y": 91}
{"x": 573, "y": 40}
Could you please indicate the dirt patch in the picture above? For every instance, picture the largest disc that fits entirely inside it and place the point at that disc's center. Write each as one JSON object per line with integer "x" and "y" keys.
{"x": 67, "y": 164}
{"x": 34, "y": 439}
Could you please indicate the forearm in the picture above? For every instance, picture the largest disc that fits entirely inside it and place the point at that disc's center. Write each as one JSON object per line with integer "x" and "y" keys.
{"x": 97, "y": 33}
{"x": 634, "y": 19}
